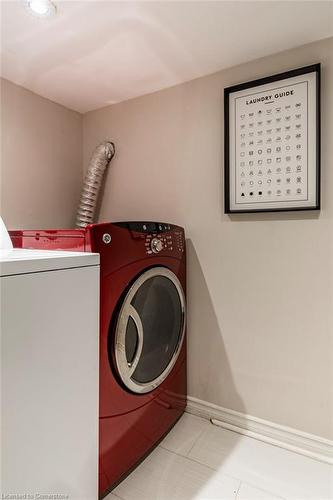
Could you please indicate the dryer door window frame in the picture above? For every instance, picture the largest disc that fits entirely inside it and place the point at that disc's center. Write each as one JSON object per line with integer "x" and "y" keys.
{"x": 150, "y": 330}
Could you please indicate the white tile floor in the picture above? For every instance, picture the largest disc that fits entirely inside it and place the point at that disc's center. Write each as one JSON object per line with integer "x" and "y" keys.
{"x": 200, "y": 461}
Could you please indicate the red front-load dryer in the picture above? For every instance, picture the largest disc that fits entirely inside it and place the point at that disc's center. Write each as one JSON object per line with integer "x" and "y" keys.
{"x": 142, "y": 333}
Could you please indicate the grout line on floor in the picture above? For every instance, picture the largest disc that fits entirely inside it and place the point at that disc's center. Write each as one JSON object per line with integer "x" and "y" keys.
{"x": 277, "y": 495}
{"x": 202, "y": 464}
{"x": 195, "y": 441}
{"x": 175, "y": 453}
{"x": 213, "y": 469}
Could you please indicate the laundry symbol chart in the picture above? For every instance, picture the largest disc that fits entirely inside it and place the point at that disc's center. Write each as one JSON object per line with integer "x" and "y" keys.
{"x": 271, "y": 151}
{"x": 272, "y": 142}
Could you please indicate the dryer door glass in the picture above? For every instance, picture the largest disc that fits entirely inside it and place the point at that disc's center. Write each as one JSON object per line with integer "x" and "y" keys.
{"x": 150, "y": 330}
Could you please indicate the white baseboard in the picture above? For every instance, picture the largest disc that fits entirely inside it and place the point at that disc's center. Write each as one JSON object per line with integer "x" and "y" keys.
{"x": 288, "y": 438}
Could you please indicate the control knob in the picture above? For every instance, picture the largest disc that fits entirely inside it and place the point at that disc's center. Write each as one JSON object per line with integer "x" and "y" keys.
{"x": 156, "y": 245}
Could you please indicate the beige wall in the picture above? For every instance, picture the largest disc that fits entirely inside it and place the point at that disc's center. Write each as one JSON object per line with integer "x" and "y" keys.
{"x": 41, "y": 168}
{"x": 260, "y": 296}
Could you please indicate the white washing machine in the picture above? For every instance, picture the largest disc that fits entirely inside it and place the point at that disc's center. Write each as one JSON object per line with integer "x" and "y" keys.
{"x": 49, "y": 368}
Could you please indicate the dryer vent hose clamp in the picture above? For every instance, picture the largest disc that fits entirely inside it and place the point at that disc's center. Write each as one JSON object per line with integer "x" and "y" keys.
{"x": 100, "y": 159}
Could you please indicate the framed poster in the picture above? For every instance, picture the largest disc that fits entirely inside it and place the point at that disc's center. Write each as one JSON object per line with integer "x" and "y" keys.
{"x": 272, "y": 143}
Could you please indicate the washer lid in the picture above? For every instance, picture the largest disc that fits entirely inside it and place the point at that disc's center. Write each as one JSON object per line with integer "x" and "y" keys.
{"x": 22, "y": 261}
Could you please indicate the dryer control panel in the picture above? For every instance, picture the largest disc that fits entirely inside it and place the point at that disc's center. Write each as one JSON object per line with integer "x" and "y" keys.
{"x": 160, "y": 238}
{"x": 156, "y": 243}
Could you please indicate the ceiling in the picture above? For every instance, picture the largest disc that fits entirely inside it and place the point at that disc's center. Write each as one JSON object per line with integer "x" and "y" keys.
{"x": 95, "y": 53}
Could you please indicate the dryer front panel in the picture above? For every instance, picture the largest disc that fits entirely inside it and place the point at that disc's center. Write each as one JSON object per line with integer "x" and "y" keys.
{"x": 149, "y": 331}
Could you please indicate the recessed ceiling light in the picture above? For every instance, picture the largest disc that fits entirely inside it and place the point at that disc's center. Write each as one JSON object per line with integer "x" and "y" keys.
{"x": 41, "y": 8}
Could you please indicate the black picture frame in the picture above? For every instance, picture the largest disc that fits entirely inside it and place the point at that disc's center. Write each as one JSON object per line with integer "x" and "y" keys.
{"x": 314, "y": 68}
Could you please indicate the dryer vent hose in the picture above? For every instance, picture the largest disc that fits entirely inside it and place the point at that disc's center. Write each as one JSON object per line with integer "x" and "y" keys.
{"x": 100, "y": 159}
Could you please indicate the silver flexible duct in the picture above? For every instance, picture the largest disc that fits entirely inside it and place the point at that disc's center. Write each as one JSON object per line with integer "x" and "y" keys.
{"x": 100, "y": 159}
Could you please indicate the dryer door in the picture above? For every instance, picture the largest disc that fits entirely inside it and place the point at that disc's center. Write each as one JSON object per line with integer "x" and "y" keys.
{"x": 150, "y": 330}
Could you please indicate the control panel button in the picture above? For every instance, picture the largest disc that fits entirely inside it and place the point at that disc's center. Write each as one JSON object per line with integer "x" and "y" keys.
{"x": 156, "y": 245}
